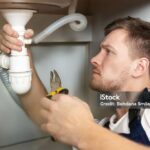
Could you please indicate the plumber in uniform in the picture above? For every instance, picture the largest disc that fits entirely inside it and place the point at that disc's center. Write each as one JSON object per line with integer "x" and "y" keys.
{"x": 122, "y": 64}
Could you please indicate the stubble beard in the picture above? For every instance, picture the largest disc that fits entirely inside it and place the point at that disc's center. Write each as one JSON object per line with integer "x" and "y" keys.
{"x": 105, "y": 85}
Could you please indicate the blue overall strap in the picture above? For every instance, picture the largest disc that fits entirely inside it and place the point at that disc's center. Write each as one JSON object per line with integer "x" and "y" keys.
{"x": 135, "y": 112}
{"x": 137, "y": 133}
{"x": 106, "y": 125}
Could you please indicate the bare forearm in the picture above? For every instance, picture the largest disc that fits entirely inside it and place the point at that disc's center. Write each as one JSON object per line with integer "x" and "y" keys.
{"x": 99, "y": 138}
{"x": 31, "y": 100}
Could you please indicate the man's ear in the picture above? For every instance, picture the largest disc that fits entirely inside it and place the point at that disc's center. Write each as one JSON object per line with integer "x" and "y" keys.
{"x": 140, "y": 67}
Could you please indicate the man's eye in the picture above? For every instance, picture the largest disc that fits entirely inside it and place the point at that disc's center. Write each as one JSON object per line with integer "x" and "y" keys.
{"x": 108, "y": 51}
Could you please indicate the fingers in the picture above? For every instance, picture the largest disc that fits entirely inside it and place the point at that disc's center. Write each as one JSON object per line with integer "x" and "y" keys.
{"x": 61, "y": 97}
{"x": 11, "y": 43}
{"x": 56, "y": 97}
{"x": 29, "y": 33}
{"x": 12, "y": 40}
{"x": 4, "y": 49}
{"x": 47, "y": 103}
{"x": 9, "y": 31}
{"x": 45, "y": 115}
{"x": 46, "y": 127}
{"x": 9, "y": 39}
{"x": 28, "y": 36}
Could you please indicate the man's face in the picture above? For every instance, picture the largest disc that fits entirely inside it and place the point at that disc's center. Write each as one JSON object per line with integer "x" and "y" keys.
{"x": 111, "y": 66}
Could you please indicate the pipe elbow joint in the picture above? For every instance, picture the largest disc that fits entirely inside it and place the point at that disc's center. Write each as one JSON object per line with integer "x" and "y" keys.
{"x": 20, "y": 82}
{"x": 80, "y": 23}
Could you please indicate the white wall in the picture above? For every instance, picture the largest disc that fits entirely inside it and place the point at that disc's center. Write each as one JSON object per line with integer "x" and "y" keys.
{"x": 69, "y": 60}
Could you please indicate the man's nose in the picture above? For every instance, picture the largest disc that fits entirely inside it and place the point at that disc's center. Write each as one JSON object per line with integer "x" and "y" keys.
{"x": 97, "y": 60}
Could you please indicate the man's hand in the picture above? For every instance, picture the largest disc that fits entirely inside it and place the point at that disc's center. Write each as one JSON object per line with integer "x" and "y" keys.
{"x": 66, "y": 118}
{"x": 9, "y": 39}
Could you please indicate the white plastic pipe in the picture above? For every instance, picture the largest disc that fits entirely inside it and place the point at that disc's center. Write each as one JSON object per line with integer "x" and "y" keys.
{"x": 19, "y": 63}
{"x": 61, "y": 22}
{"x": 72, "y": 9}
{"x": 4, "y": 61}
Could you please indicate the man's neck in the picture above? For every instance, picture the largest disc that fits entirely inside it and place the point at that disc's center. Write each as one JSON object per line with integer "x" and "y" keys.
{"x": 120, "y": 112}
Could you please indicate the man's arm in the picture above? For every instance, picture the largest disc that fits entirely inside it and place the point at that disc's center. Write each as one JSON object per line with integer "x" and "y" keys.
{"x": 30, "y": 100}
{"x": 102, "y": 139}
{"x": 69, "y": 120}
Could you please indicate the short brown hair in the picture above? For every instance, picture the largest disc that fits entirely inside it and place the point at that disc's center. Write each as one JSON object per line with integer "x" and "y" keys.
{"x": 139, "y": 34}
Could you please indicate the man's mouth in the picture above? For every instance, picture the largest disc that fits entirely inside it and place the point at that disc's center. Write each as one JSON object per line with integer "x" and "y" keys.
{"x": 95, "y": 71}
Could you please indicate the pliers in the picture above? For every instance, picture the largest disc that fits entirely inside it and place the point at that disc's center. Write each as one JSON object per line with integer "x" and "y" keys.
{"x": 56, "y": 87}
{"x": 55, "y": 84}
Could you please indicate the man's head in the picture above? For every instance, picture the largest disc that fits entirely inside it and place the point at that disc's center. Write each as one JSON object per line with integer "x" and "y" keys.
{"x": 124, "y": 56}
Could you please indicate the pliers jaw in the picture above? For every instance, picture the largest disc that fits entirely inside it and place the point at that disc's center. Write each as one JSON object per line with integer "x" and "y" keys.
{"x": 55, "y": 81}
{"x": 55, "y": 84}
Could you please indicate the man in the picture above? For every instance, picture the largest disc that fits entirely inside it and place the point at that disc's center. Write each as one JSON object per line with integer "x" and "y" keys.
{"x": 121, "y": 65}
